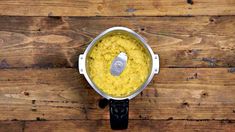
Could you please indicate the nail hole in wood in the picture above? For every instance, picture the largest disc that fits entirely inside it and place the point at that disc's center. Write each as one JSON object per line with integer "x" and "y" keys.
{"x": 184, "y": 104}
{"x": 190, "y": 2}
{"x": 34, "y": 109}
{"x": 212, "y": 19}
{"x": 40, "y": 119}
{"x": 204, "y": 94}
{"x": 170, "y": 118}
{"x": 26, "y": 93}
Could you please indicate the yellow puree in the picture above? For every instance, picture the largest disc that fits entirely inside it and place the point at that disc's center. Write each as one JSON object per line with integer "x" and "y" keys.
{"x": 133, "y": 76}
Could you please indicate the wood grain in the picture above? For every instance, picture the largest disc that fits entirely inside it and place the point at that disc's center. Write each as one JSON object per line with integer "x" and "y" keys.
{"x": 134, "y": 125}
{"x": 193, "y": 92}
{"x": 11, "y": 126}
{"x": 176, "y": 93}
{"x": 57, "y": 41}
{"x": 116, "y": 8}
{"x": 104, "y": 126}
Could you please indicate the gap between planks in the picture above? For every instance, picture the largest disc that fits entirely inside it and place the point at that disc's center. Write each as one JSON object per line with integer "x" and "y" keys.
{"x": 55, "y": 94}
{"x": 45, "y": 42}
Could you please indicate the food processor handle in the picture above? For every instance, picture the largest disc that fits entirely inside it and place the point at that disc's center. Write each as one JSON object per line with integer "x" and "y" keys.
{"x": 119, "y": 111}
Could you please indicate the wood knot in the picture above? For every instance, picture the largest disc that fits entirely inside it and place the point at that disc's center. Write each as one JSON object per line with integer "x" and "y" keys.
{"x": 40, "y": 119}
{"x": 204, "y": 95}
{"x": 170, "y": 118}
{"x": 190, "y": 2}
{"x": 34, "y": 109}
{"x": 184, "y": 104}
{"x": 100, "y": 8}
{"x": 211, "y": 19}
{"x": 142, "y": 29}
{"x": 143, "y": 117}
{"x": 192, "y": 52}
{"x": 26, "y": 93}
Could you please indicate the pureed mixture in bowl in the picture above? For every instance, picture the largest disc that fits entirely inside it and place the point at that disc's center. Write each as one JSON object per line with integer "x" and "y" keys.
{"x": 133, "y": 76}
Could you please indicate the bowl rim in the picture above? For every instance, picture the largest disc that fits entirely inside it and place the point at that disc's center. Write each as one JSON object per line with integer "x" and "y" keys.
{"x": 137, "y": 36}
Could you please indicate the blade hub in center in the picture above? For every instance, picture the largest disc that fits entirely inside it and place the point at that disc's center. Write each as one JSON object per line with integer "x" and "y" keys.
{"x": 118, "y": 64}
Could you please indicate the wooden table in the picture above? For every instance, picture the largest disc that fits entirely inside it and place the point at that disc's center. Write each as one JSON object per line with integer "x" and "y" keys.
{"x": 41, "y": 89}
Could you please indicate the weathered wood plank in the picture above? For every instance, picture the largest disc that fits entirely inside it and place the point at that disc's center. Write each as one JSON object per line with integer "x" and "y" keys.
{"x": 134, "y": 126}
{"x": 116, "y": 8}
{"x": 11, "y": 126}
{"x": 57, "y": 42}
{"x": 104, "y": 126}
{"x": 176, "y": 93}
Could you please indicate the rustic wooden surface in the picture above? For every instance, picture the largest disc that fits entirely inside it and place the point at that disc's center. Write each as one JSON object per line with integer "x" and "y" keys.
{"x": 103, "y": 125}
{"x": 116, "y": 8}
{"x": 57, "y": 94}
{"x": 41, "y": 89}
{"x": 57, "y": 42}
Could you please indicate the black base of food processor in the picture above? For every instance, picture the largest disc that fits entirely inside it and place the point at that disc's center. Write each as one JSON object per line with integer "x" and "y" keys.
{"x": 119, "y": 114}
